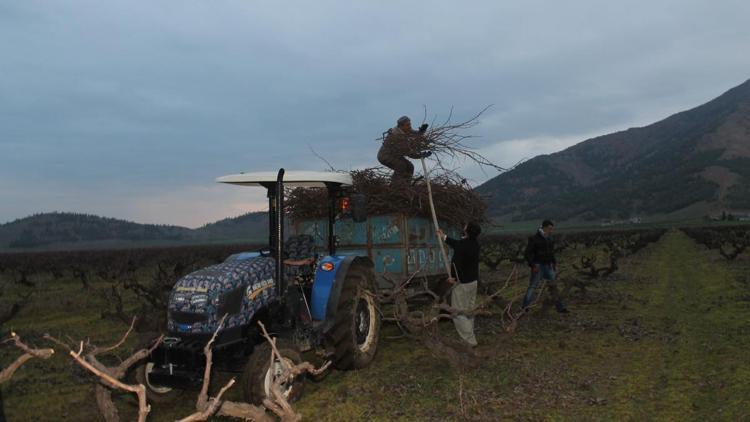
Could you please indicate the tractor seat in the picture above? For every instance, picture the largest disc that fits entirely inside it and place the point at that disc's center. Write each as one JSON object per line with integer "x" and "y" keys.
{"x": 297, "y": 248}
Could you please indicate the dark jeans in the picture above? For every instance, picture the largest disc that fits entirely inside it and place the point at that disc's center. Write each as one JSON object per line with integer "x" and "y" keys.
{"x": 546, "y": 272}
{"x": 403, "y": 170}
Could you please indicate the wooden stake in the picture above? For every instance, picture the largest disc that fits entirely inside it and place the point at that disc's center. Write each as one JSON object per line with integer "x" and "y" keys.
{"x": 434, "y": 219}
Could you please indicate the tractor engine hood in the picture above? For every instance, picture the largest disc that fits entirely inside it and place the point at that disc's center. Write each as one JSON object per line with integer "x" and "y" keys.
{"x": 238, "y": 288}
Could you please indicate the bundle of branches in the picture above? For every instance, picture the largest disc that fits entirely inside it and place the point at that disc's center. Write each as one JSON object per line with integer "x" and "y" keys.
{"x": 447, "y": 141}
{"x": 455, "y": 202}
{"x": 111, "y": 378}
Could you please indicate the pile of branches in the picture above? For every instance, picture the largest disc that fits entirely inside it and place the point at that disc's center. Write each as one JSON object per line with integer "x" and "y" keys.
{"x": 111, "y": 379}
{"x": 416, "y": 308}
{"x": 456, "y": 202}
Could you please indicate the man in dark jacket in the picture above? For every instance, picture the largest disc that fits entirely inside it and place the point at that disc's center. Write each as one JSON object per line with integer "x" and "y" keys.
{"x": 540, "y": 256}
{"x": 401, "y": 142}
{"x": 464, "y": 272}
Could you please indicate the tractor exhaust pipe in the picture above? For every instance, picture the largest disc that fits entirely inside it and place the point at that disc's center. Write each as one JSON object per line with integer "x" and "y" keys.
{"x": 280, "y": 282}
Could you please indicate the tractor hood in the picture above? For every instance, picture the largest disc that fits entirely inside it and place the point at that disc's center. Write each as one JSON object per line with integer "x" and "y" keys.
{"x": 238, "y": 288}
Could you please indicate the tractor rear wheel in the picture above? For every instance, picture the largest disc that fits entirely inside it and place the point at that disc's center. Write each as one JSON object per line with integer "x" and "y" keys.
{"x": 356, "y": 329}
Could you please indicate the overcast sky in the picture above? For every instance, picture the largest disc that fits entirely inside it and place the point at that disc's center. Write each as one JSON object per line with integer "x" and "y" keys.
{"x": 131, "y": 109}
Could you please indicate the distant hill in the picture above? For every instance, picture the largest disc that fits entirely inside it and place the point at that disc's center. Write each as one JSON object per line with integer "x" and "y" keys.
{"x": 59, "y": 230}
{"x": 250, "y": 226}
{"x": 693, "y": 163}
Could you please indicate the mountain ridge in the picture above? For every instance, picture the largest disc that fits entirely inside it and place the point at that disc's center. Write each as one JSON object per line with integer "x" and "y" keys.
{"x": 66, "y": 230}
{"x": 697, "y": 156}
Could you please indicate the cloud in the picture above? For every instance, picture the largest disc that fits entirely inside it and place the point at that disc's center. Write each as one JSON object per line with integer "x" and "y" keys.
{"x": 188, "y": 206}
{"x": 194, "y": 206}
{"x": 119, "y": 101}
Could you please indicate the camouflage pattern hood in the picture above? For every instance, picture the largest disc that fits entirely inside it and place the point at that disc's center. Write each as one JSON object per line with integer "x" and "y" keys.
{"x": 236, "y": 287}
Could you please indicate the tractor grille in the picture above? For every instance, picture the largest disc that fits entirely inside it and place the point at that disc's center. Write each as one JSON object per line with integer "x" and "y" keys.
{"x": 231, "y": 301}
{"x": 186, "y": 317}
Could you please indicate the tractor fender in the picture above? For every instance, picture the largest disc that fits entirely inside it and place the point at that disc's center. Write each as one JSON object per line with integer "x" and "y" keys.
{"x": 328, "y": 284}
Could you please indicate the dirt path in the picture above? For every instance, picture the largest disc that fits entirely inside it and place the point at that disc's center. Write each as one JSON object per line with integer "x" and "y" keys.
{"x": 692, "y": 360}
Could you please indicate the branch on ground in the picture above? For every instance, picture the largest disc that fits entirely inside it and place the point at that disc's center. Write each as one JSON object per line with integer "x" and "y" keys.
{"x": 28, "y": 353}
{"x": 109, "y": 378}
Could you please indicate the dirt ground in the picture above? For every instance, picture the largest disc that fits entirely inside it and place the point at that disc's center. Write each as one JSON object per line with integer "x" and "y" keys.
{"x": 664, "y": 338}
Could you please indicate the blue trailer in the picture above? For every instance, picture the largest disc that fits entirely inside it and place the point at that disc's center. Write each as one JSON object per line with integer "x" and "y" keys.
{"x": 398, "y": 245}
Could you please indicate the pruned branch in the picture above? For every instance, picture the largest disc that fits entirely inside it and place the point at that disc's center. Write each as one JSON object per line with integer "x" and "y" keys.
{"x": 207, "y": 407}
{"x": 29, "y": 353}
{"x": 420, "y": 321}
{"x": 140, "y": 390}
{"x": 110, "y": 377}
{"x": 278, "y": 404}
{"x": 448, "y": 140}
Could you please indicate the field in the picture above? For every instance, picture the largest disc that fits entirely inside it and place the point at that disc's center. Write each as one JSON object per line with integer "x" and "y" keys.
{"x": 659, "y": 330}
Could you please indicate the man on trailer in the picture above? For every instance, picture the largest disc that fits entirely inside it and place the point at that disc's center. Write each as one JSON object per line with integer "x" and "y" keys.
{"x": 401, "y": 142}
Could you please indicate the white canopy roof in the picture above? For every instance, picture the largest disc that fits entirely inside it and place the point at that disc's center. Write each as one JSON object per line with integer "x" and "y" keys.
{"x": 293, "y": 179}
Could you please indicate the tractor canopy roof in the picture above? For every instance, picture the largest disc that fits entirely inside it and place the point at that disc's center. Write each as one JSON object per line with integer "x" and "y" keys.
{"x": 292, "y": 179}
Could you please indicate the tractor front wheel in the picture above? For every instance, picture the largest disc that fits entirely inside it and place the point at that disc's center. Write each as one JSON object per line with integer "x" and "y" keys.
{"x": 155, "y": 393}
{"x": 260, "y": 374}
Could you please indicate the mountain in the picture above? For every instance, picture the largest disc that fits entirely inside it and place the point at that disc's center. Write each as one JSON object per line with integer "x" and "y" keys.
{"x": 693, "y": 163}
{"x": 247, "y": 227}
{"x": 76, "y": 231}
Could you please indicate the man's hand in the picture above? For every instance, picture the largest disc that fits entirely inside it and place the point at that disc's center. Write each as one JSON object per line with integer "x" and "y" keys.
{"x": 423, "y": 128}
{"x": 535, "y": 268}
{"x": 451, "y": 280}
{"x": 441, "y": 233}
{"x": 425, "y": 154}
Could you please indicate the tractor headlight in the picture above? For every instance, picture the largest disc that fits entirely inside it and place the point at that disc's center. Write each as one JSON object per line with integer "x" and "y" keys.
{"x": 199, "y": 300}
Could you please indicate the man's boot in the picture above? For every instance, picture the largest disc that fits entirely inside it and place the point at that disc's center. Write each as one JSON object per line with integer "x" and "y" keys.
{"x": 561, "y": 308}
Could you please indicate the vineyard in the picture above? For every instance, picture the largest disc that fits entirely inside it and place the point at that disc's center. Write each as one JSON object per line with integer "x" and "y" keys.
{"x": 643, "y": 340}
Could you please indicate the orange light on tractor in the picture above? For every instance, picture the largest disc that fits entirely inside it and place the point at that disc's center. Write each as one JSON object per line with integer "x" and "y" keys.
{"x": 344, "y": 204}
{"x": 326, "y": 266}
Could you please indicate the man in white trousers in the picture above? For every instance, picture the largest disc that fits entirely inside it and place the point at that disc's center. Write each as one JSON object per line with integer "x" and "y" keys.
{"x": 465, "y": 275}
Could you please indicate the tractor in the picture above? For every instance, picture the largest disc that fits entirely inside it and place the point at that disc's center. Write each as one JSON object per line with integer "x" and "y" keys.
{"x": 326, "y": 303}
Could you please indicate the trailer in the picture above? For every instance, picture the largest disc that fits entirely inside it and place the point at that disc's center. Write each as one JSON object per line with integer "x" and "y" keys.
{"x": 397, "y": 244}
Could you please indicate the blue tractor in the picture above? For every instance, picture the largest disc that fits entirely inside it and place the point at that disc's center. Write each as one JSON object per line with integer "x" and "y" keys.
{"x": 325, "y": 303}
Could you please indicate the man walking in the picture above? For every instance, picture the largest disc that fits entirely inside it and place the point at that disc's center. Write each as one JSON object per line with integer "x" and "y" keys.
{"x": 401, "y": 142}
{"x": 540, "y": 256}
{"x": 465, "y": 272}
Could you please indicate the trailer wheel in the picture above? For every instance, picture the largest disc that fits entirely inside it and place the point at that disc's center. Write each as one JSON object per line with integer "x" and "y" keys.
{"x": 356, "y": 327}
{"x": 259, "y": 374}
{"x": 155, "y": 393}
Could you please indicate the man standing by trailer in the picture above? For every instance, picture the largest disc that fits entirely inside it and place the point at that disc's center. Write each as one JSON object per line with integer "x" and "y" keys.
{"x": 540, "y": 256}
{"x": 401, "y": 142}
{"x": 465, "y": 272}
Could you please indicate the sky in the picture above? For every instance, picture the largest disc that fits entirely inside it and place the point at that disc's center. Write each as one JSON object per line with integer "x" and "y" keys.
{"x": 131, "y": 109}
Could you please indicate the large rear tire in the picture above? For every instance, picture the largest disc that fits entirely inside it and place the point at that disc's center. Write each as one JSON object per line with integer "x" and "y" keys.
{"x": 155, "y": 393}
{"x": 356, "y": 329}
{"x": 259, "y": 374}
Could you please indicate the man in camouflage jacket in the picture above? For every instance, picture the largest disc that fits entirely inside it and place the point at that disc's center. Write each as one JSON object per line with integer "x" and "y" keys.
{"x": 401, "y": 142}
